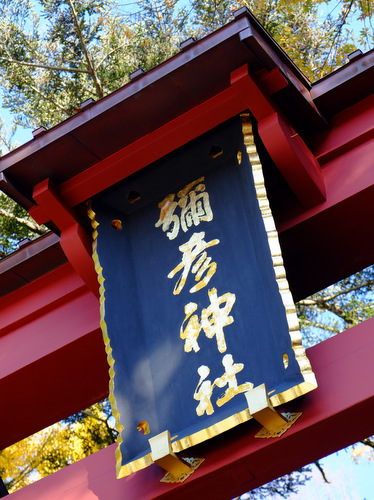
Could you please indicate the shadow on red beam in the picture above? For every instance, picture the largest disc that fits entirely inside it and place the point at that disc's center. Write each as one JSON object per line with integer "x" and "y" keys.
{"x": 52, "y": 357}
{"x": 53, "y": 387}
{"x": 335, "y": 415}
{"x": 53, "y": 290}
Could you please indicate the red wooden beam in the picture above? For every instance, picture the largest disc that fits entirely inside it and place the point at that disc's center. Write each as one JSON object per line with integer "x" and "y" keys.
{"x": 335, "y": 415}
{"x": 316, "y": 248}
{"x": 75, "y": 241}
{"x": 288, "y": 150}
{"x": 52, "y": 358}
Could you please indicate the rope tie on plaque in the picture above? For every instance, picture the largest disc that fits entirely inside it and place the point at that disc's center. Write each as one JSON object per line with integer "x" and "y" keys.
{"x": 178, "y": 469}
{"x": 260, "y": 408}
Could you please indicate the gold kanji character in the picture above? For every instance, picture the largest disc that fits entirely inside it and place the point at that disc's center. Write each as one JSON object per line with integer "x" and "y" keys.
{"x": 192, "y": 250}
{"x": 192, "y": 330}
{"x": 194, "y": 204}
{"x": 167, "y": 216}
{"x": 213, "y": 320}
{"x": 204, "y": 394}
{"x": 229, "y": 378}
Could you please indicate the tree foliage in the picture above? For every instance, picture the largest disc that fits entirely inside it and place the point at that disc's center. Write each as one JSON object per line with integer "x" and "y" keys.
{"x": 280, "y": 487}
{"x": 15, "y": 225}
{"x": 55, "y": 54}
{"x": 338, "y": 307}
{"x": 317, "y": 47}
{"x": 53, "y": 60}
{"x": 57, "y": 446}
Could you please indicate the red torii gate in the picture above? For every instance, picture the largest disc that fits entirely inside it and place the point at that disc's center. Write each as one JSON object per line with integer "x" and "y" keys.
{"x": 317, "y": 158}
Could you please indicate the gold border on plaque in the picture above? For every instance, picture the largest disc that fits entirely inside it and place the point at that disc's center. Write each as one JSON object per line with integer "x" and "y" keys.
{"x": 306, "y": 386}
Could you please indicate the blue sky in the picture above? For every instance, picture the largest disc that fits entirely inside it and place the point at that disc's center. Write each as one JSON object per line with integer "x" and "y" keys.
{"x": 348, "y": 480}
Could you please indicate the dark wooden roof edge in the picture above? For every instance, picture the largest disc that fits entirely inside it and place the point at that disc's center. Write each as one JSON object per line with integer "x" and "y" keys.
{"x": 31, "y": 261}
{"x": 261, "y": 43}
{"x": 264, "y": 48}
{"x": 346, "y": 85}
{"x": 267, "y": 47}
{"x": 197, "y": 62}
{"x": 28, "y": 250}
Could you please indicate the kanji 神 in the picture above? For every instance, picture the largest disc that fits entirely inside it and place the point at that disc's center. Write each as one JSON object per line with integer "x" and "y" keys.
{"x": 195, "y": 207}
{"x": 213, "y": 320}
{"x": 196, "y": 260}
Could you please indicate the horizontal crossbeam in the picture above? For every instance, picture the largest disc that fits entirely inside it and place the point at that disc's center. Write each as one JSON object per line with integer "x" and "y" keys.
{"x": 335, "y": 415}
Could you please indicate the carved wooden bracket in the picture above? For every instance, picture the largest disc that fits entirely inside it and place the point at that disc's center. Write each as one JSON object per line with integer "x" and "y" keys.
{"x": 287, "y": 149}
{"x": 75, "y": 242}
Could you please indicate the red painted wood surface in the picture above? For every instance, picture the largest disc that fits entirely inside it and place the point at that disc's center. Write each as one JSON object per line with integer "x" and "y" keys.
{"x": 320, "y": 245}
{"x": 313, "y": 217}
{"x": 75, "y": 241}
{"x": 289, "y": 152}
{"x": 335, "y": 415}
{"x": 334, "y": 239}
{"x": 52, "y": 358}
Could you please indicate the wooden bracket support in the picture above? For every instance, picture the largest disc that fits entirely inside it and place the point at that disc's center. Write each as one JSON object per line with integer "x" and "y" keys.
{"x": 75, "y": 241}
{"x": 262, "y": 410}
{"x": 177, "y": 468}
{"x": 287, "y": 149}
{"x": 274, "y": 423}
{"x": 163, "y": 455}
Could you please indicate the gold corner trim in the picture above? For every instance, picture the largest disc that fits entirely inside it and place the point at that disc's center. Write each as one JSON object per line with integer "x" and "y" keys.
{"x": 306, "y": 386}
{"x": 310, "y": 382}
{"x": 189, "y": 441}
{"x": 104, "y": 330}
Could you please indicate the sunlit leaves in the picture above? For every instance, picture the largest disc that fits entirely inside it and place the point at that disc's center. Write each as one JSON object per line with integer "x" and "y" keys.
{"x": 338, "y": 307}
{"x": 58, "y": 77}
{"x": 57, "y": 446}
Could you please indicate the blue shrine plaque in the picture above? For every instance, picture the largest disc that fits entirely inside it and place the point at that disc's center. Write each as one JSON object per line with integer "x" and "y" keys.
{"x": 195, "y": 307}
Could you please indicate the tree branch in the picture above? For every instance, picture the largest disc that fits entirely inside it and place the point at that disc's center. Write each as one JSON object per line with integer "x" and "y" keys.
{"x": 313, "y": 302}
{"x": 112, "y": 432}
{"x": 319, "y": 467}
{"x": 353, "y": 289}
{"x": 345, "y": 13}
{"x": 323, "y": 305}
{"x": 45, "y": 66}
{"x": 89, "y": 414}
{"x": 91, "y": 68}
{"x": 24, "y": 221}
{"x": 52, "y": 101}
{"x": 368, "y": 442}
{"x": 321, "y": 326}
